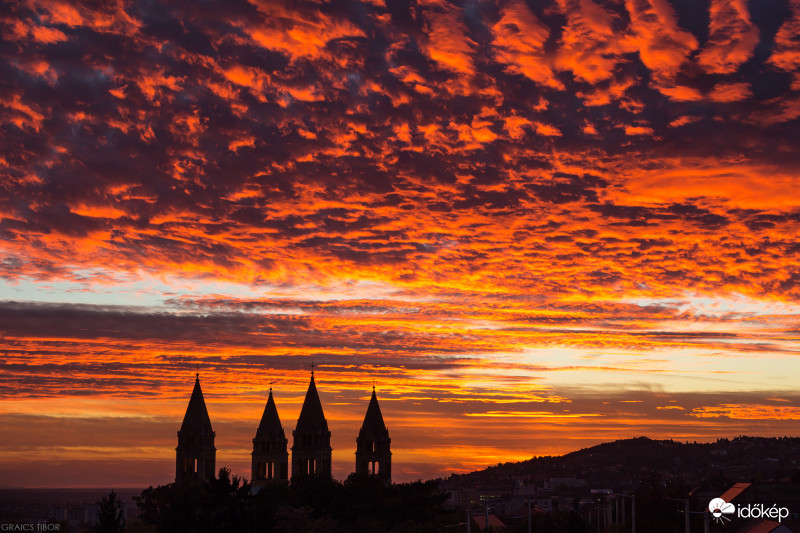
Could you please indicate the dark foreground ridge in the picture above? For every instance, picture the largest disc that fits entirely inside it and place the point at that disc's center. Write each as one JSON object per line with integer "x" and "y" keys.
{"x": 625, "y": 464}
{"x": 597, "y": 488}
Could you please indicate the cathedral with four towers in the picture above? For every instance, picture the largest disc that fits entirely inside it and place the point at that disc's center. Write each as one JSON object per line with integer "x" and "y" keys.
{"x": 311, "y": 443}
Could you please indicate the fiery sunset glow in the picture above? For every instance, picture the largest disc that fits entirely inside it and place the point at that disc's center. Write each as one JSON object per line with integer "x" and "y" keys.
{"x": 534, "y": 226}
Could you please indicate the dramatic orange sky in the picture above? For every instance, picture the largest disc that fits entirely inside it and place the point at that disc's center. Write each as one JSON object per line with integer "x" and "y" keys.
{"x": 534, "y": 226}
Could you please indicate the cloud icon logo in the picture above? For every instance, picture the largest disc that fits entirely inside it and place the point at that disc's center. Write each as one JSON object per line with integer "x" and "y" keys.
{"x": 719, "y": 508}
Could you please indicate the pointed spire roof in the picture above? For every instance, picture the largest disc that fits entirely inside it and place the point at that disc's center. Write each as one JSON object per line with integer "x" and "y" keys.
{"x": 311, "y": 416}
{"x": 270, "y": 426}
{"x": 196, "y": 419}
{"x": 373, "y": 420}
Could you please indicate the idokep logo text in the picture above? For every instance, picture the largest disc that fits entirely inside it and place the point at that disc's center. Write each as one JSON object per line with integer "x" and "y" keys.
{"x": 722, "y": 511}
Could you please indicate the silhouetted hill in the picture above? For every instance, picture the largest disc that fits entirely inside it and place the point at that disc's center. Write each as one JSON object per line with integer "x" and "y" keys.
{"x": 625, "y": 464}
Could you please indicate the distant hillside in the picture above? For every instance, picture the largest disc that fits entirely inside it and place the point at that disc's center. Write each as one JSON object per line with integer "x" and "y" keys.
{"x": 625, "y": 464}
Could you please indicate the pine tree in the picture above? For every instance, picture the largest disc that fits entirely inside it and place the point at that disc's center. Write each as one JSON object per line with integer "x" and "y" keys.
{"x": 110, "y": 516}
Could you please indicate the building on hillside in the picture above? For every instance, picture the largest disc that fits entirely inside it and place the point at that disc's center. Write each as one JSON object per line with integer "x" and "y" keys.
{"x": 487, "y": 522}
{"x": 740, "y": 493}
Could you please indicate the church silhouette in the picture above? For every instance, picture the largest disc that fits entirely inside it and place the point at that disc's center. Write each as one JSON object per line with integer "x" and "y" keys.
{"x": 195, "y": 455}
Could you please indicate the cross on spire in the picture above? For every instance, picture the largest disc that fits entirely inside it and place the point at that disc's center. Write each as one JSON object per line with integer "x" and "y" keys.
{"x": 312, "y": 369}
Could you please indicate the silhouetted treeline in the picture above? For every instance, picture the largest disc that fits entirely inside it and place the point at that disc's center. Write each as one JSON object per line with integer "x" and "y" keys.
{"x": 623, "y": 464}
{"x": 310, "y": 505}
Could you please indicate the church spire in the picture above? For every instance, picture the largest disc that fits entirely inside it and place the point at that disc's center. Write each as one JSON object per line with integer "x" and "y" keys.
{"x": 196, "y": 417}
{"x": 270, "y": 426}
{"x": 373, "y": 420}
{"x": 373, "y": 445}
{"x": 270, "y": 457}
{"x": 311, "y": 415}
{"x": 311, "y": 447}
{"x": 195, "y": 454}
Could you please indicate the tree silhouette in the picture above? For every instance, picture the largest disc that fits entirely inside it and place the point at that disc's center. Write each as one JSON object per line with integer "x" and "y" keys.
{"x": 217, "y": 505}
{"x": 110, "y": 518}
{"x": 308, "y": 505}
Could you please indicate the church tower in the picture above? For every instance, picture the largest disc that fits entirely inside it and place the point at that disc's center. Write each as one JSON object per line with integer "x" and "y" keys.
{"x": 195, "y": 454}
{"x": 373, "y": 453}
{"x": 311, "y": 447}
{"x": 270, "y": 458}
